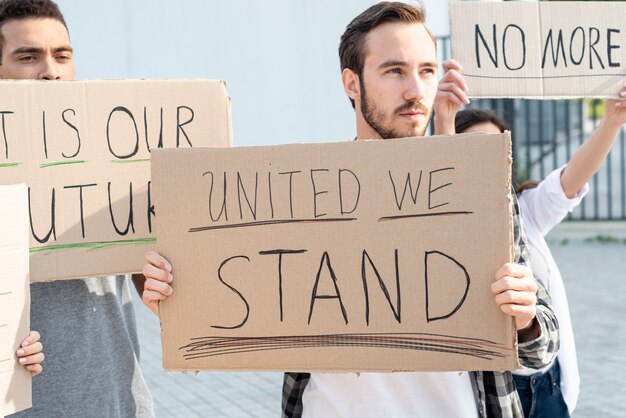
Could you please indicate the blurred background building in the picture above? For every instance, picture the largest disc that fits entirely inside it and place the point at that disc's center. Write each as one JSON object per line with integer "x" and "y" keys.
{"x": 280, "y": 61}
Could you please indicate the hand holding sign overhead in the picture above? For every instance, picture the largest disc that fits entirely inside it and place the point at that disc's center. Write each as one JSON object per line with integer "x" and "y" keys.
{"x": 615, "y": 109}
{"x": 451, "y": 96}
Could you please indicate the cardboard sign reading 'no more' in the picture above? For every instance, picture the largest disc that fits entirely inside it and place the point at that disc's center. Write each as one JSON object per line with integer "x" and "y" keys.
{"x": 83, "y": 148}
{"x": 15, "y": 380}
{"x": 540, "y": 49}
{"x": 370, "y": 255}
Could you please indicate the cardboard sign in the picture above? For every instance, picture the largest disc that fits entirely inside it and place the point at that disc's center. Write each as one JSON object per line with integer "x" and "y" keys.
{"x": 361, "y": 255}
{"x": 15, "y": 380}
{"x": 83, "y": 148}
{"x": 540, "y": 49}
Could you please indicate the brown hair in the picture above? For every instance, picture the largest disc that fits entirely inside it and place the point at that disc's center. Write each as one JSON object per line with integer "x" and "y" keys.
{"x": 467, "y": 118}
{"x": 352, "y": 43}
{"x": 27, "y": 9}
{"x": 528, "y": 184}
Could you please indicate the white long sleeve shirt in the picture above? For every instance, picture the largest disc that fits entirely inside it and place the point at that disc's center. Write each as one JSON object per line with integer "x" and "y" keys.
{"x": 542, "y": 208}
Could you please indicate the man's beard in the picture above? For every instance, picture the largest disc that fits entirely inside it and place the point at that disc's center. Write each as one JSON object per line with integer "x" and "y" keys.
{"x": 375, "y": 118}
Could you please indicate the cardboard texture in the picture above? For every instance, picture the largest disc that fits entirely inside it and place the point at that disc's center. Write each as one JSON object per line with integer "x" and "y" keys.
{"x": 15, "y": 380}
{"x": 540, "y": 49}
{"x": 83, "y": 148}
{"x": 361, "y": 255}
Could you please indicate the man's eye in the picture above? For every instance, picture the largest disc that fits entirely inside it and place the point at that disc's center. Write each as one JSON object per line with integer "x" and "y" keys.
{"x": 428, "y": 71}
{"x": 28, "y": 58}
{"x": 394, "y": 71}
{"x": 64, "y": 58}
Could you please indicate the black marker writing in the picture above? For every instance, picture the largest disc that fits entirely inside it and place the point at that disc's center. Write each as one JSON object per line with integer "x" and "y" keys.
{"x": 314, "y": 296}
{"x": 431, "y": 190}
{"x": 315, "y": 192}
{"x": 52, "y": 231}
{"x": 80, "y": 197}
{"x": 130, "y": 224}
{"x": 407, "y": 186}
{"x": 75, "y": 130}
{"x": 429, "y": 317}
{"x": 237, "y": 292}
{"x": 280, "y": 272}
{"x": 241, "y": 190}
{"x": 397, "y": 310}
{"x": 341, "y": 189}
{"x": 179, "y": 125}
{"x": 4, "y": 132}
{"x": 123, "y": 110}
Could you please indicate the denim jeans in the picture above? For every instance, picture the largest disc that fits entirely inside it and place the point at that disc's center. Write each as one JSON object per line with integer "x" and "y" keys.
{"x": 540, "y": 394}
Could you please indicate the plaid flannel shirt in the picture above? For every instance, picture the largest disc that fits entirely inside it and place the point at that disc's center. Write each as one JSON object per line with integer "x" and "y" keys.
{"x": 494, "y": 391}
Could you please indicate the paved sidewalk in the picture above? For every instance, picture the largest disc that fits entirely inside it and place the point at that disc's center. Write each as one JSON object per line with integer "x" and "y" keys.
{"x": 187, "y": 395}
{"x": 595, "y": 278}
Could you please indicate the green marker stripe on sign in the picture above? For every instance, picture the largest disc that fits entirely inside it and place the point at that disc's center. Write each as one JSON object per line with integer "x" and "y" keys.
{"x": 91, "y": 246}
{"x": 46, "y": 165}
{"x": 144, "y": 160}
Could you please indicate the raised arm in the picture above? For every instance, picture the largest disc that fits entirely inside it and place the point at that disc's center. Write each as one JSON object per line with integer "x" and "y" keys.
{"x": 451, "y": 96}
{"x": 587, "y": 160}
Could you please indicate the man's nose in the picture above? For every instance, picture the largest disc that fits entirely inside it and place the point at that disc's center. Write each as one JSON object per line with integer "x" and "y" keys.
{"x": 49, "y": 69}
{"x": 414, "y": 89}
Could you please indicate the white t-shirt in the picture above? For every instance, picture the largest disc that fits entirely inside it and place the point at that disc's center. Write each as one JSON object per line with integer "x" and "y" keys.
{"x": 376, "y": 395}
{"x": 542, "y": 208}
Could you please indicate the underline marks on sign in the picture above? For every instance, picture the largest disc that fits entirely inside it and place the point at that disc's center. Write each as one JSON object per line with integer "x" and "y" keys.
{"x": 424, "y": 215}
{"x": 8, "y": 165}
{"x": 270, "y": 222}
{"x": 218, "y": 346}
{"x": 58, "y": 163}
{"x": 142, "y": 160}
{"x": 288, "y": 221}
{"x": 91, "y": 246}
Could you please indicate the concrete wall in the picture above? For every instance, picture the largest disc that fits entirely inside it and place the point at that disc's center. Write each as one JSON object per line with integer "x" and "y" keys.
{"x": 279, "y": 57}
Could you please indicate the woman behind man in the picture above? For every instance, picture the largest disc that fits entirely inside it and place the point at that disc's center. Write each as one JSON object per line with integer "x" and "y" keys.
{"x": 553, "y": 391}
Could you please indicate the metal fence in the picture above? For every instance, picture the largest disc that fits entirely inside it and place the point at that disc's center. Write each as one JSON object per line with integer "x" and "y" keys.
{"x": 545, "y": 134}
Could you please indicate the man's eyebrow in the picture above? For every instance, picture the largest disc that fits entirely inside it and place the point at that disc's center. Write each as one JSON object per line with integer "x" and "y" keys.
{"x": 398, "y": 63}
{"x": 38, "y": 50}
{"x": 392, "y": 63}
{"x": 28, "y": 50}
{"x": 65, "y": 48}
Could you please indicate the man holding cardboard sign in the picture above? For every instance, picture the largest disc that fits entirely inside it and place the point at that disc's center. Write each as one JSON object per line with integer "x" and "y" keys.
{"x": 88, "y": 324}
{"x": 390, "y": 66}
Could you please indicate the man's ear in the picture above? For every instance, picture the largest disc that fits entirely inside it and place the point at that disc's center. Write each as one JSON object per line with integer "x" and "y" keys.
{"x": 351, "y": 84}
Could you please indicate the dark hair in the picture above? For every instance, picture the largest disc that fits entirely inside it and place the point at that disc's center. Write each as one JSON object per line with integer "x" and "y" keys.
{"x": 528, "y": 184}
{"x": 27, "y": 9}
{"x": 467, "y": 118}
{"x": 352, "y": 43}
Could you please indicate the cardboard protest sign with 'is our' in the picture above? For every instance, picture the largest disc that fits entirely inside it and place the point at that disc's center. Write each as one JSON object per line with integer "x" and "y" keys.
{"x": 354, "y": 256}
{"x": 83, "y": 149}
{"x": 542, "y": 50}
